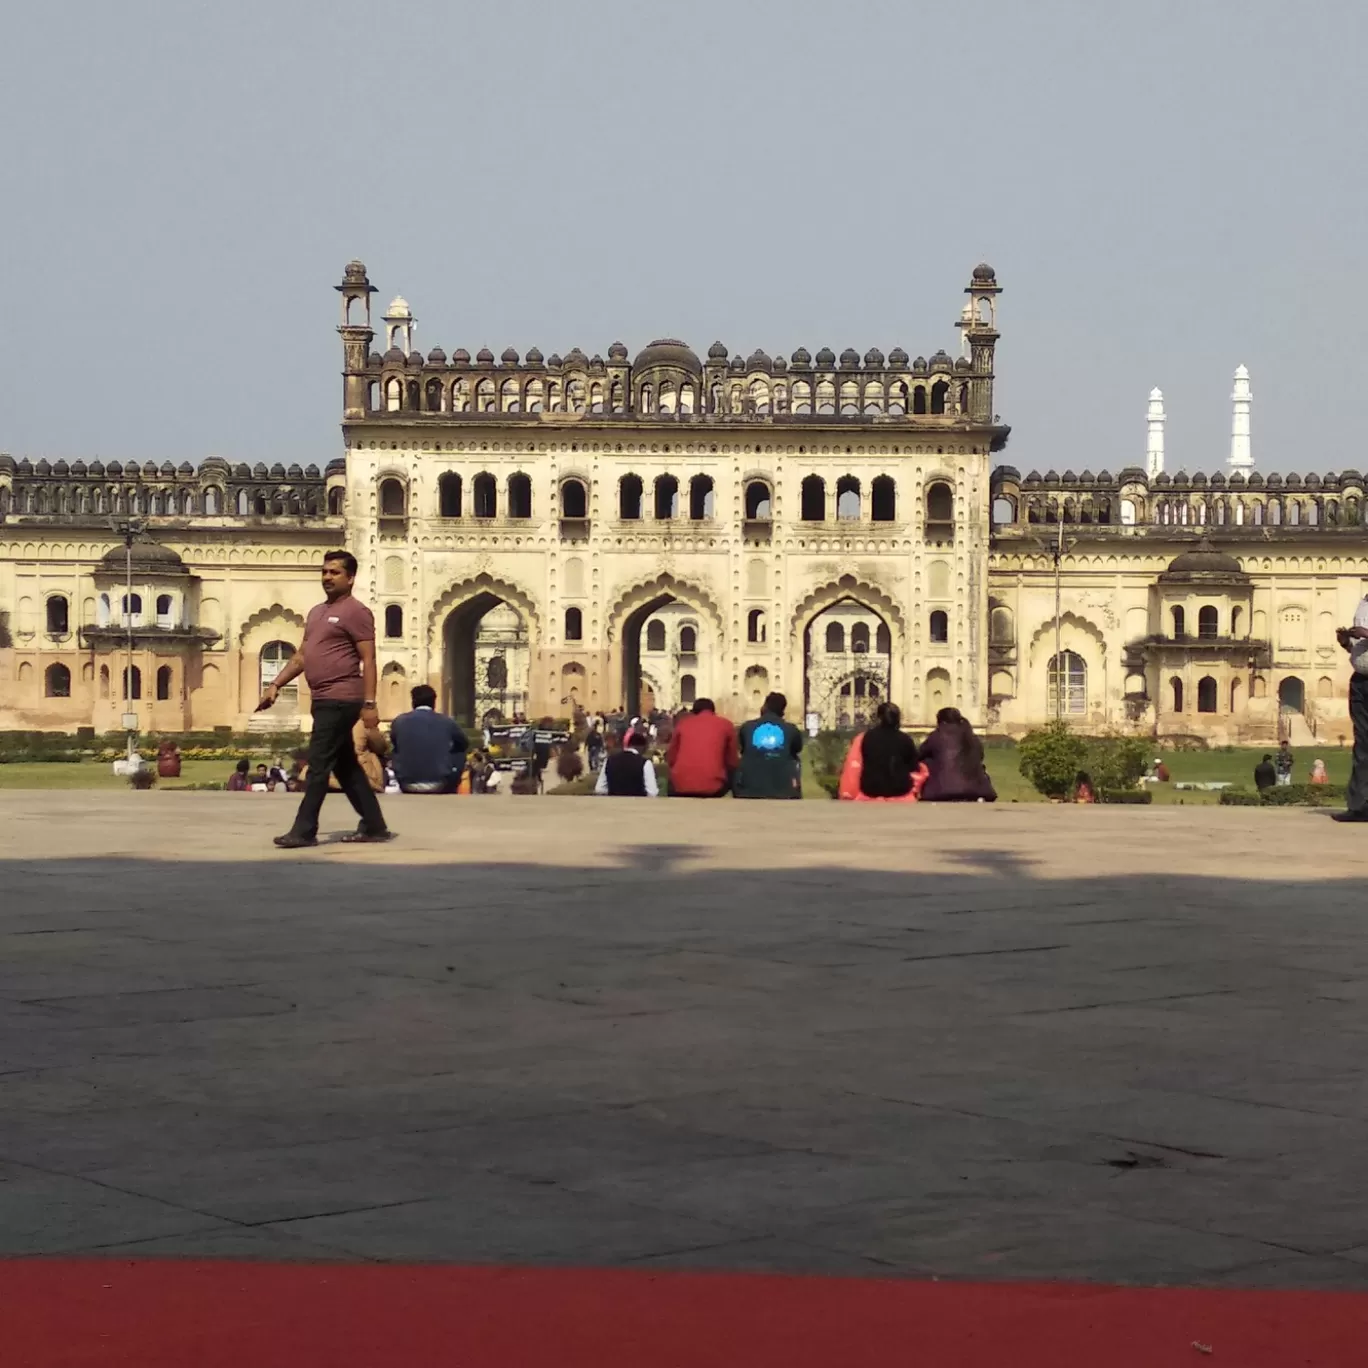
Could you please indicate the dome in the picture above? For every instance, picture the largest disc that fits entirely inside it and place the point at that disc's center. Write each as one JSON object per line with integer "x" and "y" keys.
{"x": 211, "y": 463}
{"x": 534, "y": 356}
{"x": 984, "y": 274}
{"x": 941, "y": 361}
{"x": 717, "y": 352}
{"x": 963, "y": 363}
{"x": 485, "y": 357}
{"x": 398, "y": 308}
{"x": 801, "y": 357}
{"x": 780, "y": 364}
{"x": 758, "y": 360}
{"x": 509, "y": 357}
{"x": 61, "y": 468}
{"x": 43, "y": 467}
{"x": 736, "y": 363}
{"x": 874, "y": 358}
{"x": 393, "y": 357}
{"x": 668, "y": 351}
{"x": 311, "y": 470}
{"x": 554, "y": 360}
{"x": 460, "y": 357}
{"x": 113, "y": 468}
{"x": 919, "y": 365}
{"x": 850, "y": 359}
{"x": 826, "y": 357}
{"x": 375, "y": 359}
{"x": 1204, "y": 560}
{"x": 149, "y": 558}
{"x": 437, "y": 357}
{"x": 242, "y": 471}
{"x": 97, "y": 467}
{"x": 617, "y": 352}
{"x": 897, "y": 357}
{"x": 575, "y": 357}
{"x": 415, "y": 358}
{"x": 296, "y": 471}
{"x": 277, "y": 471}
{"x": 77, "y": 467}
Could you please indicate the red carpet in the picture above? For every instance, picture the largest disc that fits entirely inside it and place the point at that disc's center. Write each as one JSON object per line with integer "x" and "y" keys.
{"x": 184, "y": 1314}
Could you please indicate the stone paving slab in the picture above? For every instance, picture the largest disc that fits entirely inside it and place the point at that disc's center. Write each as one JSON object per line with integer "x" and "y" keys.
{"x": 1012, "y": 1041}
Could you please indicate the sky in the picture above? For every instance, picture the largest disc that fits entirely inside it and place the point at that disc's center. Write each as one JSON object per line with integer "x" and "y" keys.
{"x": 1166, "y": 189}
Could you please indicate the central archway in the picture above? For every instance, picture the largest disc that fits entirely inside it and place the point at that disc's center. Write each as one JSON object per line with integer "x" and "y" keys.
{"x": 482, "y": 632}
{"x": 669, "y": 639}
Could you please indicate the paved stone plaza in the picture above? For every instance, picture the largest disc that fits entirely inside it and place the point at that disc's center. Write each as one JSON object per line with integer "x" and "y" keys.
{"x": 1016, "y": 1041}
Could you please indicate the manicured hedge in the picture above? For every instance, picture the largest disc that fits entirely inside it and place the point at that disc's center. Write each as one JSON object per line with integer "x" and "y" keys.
{"x": 1141, "y": 796}
{"x": 1287, "y": 795}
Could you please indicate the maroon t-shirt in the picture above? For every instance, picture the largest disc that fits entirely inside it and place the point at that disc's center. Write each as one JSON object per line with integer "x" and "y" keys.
{"x": 332, "y": 662}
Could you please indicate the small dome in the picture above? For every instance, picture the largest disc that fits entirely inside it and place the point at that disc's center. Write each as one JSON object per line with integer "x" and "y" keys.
{"x": 1199, "y": 481}
{"x": 398, "y": 308}
{"x": 1181, "y": 480}
{"x": 484, "y": 356}
{"x": 717, "y": 352}
{"x": 1294, "y": 481}
{"x": 1086, "y": 478}
{"x": 758, "y": 360}
{"x": 259, "y": 471}
{"x": 97, "y": 467}
{"x": 941, "y": 361}
{"x": 337, "y": 466}
{"x": 42, "y": 468}
{"x": 617, "y": 352}
{"x": 375, "y": 359}
{"x": 736, "y": 363}
{"x": 801, "y": 357}
{"x": 149, "y": 558}
{"x": 919, "y": 365}
{"x": 850, "y": 359}
{"x": 1218, "y": 480}
{"x": 149, "y": 469}
{"x": 509, "y": 357}
{"x": 1052, "y": 477}
{"x": 394, "y": 357}
{"x": 1237, "y": 479}
{"x": 826, "y": 358}
{"x": 415, "y": 358}
{"x": 984, "y": 274}
{"x": 113, "y": 468}
{"x": 277, "y": 471}
{"x": 1033, "y": 478}
{"x": 460, "y": 357}
{"x": 1204, "y": 561}
{"x": 61, "y": 468}
{"x": 596, "y": 362}
{"x": 874, "y": 359}
{"x": 1275, "y": 480}
{"x": 575, "y": 357}
{"x": 1163, "y": 478}
{"x": 668, "y": 351}
{"x": 1132, "y": 475}
{"x": 963, "y": 363}
{"x": 437, "y": 357}
{"x": 1256, "y": 481}
{"x": 166, "y": 470}
{"x": 1070, "y": 478}
{"x": 77, "y": 467}
{"x": 311, "y": 470}
{"x": 534, "y": 356}
{"x": 295, "y": 472}
{"x": 554, "y": 360}
{"x": 242, "y": 471}
{"x": 1313, "y": 481}
{"x": 780, "y": 365}
{"x": 897, "y": 357}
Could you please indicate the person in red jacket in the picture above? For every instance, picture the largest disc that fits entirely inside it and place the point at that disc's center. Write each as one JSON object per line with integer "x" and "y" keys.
{"x": 703, "y": 754}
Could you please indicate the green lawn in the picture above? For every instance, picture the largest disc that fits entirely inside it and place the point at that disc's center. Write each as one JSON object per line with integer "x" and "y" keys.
{"x": 100, "y": 775}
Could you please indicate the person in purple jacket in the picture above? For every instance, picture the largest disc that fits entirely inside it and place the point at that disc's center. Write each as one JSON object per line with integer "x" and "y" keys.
{"x": 954, "y": 757}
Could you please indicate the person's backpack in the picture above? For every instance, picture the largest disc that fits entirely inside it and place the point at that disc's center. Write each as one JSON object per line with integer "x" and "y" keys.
{"x": 769, "y": 739}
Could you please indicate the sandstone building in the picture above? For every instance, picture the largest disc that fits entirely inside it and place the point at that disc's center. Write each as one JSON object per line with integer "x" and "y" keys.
{"x": 539, "y": 532}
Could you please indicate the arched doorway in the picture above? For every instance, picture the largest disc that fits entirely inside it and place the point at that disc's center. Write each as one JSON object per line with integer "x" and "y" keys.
{"x": 486, "y": 659}
{"x": 847, "y": 664}
{"x": 1292, "y": 695}
{"x": 668, "y": 636}
{"x": 275, "y": 655}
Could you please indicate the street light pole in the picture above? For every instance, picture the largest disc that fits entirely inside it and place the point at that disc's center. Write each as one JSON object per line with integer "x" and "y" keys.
{"x": 129, "y": 529}
{"x": 1059, "y": 590}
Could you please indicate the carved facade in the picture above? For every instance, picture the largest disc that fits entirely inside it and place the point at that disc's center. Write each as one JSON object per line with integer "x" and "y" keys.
{"x": 540, "y": 532}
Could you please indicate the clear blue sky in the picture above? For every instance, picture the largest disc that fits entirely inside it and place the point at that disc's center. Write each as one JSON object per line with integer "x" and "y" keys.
{"x": 1166, "y": 190}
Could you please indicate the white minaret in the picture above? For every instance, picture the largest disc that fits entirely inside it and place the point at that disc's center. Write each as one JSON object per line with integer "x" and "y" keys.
{"x": 1241, "y": 458}
{"x": 1154, "y": 442}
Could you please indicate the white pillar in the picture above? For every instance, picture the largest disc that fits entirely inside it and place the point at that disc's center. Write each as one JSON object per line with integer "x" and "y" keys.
{"x": 1241, "y": 458}
{"x": 1154, "y": 442}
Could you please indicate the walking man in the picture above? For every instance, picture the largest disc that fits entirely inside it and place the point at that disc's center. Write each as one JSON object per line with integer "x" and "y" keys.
{"x": 337, "y": 659}
{"x": 1355, "y": 640}
{"x": 1282, "y": 763}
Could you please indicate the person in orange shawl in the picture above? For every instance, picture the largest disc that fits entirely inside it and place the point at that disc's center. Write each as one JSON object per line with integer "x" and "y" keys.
{"x": 881, "y": 765}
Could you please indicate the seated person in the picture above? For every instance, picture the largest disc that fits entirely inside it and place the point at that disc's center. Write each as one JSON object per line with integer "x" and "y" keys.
{"x": 259, "y": 779}
{"x": 238, "y": 781}
{"x": 954, "y": 757}
{"x": 429, "y": 747}
{"x": 888, "y": 756}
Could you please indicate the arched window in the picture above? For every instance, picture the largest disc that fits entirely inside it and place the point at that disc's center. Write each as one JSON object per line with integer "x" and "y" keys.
{"x": 814, "y": 499}
{"x": 164, "y": 610}
{"x": 132, "y": 682}
{"x": 394, "y": 395}
{"x": 213, "y": 502}
{"x": 484, "y": 396}
{"x": 859, "y": 638}
{"x": 337, "y": 500}
{"x": 519, "y": 496}
{"x": 130, "y": 605}
{"x": 629, "y": 498}
{"x": 701, "y": 499}
{"x": 1003, "y": 511}
{"x": 574, "y": 499}
{"x": 940, "y": 626}
{"x": 1208, "y": 624}
{"x": 509, "y": 398}
{"x": 666, "y": 497}
{"x": 1176, "y": 688}
{"x": 57, "y": 682}
{"x": 449, "y": 495}
{"x": 758, "y": 501}
{"x": 1206, "y": 694}
{"x": 434, "y": 395}
{"x": 1067, "y": 684}
{"x": 655, "y": 635}
{"x": 394, "y": 620}
{"x": 104, "y": 681}
{"x": 883, "y": 496}
{"x": 688, "y": 640}
{"x": 391, "y": 499}
{"x": 1236, "y": 614}
{"x": 275, "y": 655}
{"x": 939, "y": 392}
{"x": 883, "y": 639}
{"x": 848, "y": 498}
{"x": 616, "y": 399}
{"x": 688, "y": 688}
{"x": 163, "y": 684}
{"x": 1179, "y": 622}
{"x": 574, "y": 624}
{"x": 755, "y": 625}
{"x": 486, "y": 496}
{"x": 940, "y": 502}
{"x": 647, "y": 400}
{"x": 835, "y": 638}
{"x": 58, "y": 615}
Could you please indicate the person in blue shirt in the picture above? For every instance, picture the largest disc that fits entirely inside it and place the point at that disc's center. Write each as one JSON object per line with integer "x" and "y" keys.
{"x": 429, "y": 747}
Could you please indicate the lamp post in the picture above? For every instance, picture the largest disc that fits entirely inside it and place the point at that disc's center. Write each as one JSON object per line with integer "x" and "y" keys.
{"x": 129, "y": 529}
{"x": 1056, "y": 549}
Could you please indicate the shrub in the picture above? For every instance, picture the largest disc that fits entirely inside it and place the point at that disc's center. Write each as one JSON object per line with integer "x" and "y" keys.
{"x": 143, "y": 779}
{"x": 575, "y": 788}
{"x": 1239, "y": 797}
{"x": 1116, "y": 762}
{"x": 826, "y": 757}
{"x": 1051, "y": 758}
{"x": 1303, "y": 795}
{"x": 1128, "y": 795}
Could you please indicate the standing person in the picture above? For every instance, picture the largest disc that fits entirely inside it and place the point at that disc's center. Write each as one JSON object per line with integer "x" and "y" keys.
{"x": 1265, "y": 776}
{"x": 770, "y": 747}
{"x": 954, "y": 757}
{"x": 337, "y": 659}
{"x": 703, "y": 753}
{"x": 1283, "y": 763}
{"x": 888, "y": 756}
{"x": 593, "y": 746}
{"x": 1355, "y": 640}
{"x": 429, "y": 747}
{"x": 627, "y": 773}
{"x": 543, "y": 738}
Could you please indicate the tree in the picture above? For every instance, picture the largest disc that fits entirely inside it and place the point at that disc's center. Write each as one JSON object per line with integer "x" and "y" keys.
{"x": 1051, "y": 758}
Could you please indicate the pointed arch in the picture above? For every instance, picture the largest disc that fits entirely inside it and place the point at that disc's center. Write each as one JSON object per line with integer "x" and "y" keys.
{"x": 635, "y": 595}
{"x": 848, "y": 589}
{"x": 273, "y": 617}
{"x": 471, "y": 587}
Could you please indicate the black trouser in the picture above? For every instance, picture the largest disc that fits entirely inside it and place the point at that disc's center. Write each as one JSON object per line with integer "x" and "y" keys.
{"x": 1357, "y": 794}
{"x": 332, "y": 751}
